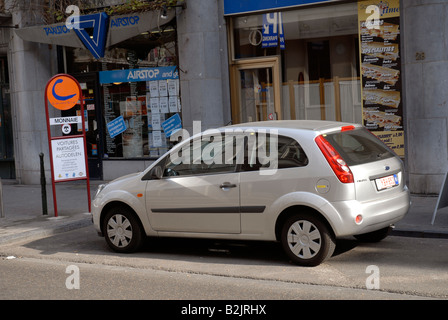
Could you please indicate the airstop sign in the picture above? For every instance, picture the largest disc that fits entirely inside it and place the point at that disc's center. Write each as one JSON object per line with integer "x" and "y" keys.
{"x": 68, "y": 153}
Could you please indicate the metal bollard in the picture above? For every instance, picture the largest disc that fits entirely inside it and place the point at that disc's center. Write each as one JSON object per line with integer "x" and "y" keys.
{"x": 2, "y": 211}
{"x": 43, "y": 185}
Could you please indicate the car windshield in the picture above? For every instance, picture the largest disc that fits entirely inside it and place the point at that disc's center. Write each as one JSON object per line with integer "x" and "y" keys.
{"x": 359, "y": 146}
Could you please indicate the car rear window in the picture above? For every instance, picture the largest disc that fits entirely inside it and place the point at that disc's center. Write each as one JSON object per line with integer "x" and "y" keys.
{"x": 359, "y": 146}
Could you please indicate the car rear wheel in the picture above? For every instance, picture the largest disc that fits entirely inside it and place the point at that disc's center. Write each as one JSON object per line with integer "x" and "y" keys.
{"x": 122, "y": 230}
{"x": 307, "y": 240}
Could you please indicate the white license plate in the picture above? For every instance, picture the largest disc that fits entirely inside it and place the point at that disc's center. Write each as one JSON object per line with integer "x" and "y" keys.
{"x": 387, "y": 182}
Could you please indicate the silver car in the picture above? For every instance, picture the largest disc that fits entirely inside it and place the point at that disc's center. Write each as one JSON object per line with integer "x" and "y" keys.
{"x": 302, "y": 183}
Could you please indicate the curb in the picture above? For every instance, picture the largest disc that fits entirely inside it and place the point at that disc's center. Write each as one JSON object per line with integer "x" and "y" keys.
{"x": 429, "y": 234}
{"x": 39, "y": 231}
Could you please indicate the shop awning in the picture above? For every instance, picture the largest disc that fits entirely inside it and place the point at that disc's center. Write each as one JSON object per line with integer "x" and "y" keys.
{"x": 121, "y": 27}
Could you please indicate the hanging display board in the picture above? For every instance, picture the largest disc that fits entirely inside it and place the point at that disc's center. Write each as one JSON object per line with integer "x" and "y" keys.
{"x": 380, "y": 59}
{"x": 68, "y": 153}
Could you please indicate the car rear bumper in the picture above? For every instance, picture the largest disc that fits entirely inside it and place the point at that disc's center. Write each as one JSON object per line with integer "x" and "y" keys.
{"x": 375, "y": 215}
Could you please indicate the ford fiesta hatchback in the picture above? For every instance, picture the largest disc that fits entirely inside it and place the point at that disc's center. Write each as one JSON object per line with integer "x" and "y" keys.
{"x": 302, "y": 183}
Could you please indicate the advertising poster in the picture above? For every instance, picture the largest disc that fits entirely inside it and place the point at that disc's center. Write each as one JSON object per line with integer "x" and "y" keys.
{"x": 380, "y": 61}
{"x": 68, "y": 158}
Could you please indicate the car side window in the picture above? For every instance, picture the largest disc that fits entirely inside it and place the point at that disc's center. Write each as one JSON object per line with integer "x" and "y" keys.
{"x": 287, "y": 153}
{"x": 205, "y": 155}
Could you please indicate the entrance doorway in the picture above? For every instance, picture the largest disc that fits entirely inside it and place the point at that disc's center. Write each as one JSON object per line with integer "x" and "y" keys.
{"x": 255, "y": 89}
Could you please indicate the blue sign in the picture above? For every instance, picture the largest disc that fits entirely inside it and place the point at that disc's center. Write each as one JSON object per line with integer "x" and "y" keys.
{"x": 171, "y": 125}
{"x": 97, "y": 43}
{"x": 124, "y": 21}
{"x": 272, "y": 31}
{"x": 246, "y": 6}
{"x": 116, "y": 126}
{"x": 143, "y": 74}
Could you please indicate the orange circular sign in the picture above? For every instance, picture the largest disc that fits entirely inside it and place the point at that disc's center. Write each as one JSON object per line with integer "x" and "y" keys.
{"x": 63, "y": 92}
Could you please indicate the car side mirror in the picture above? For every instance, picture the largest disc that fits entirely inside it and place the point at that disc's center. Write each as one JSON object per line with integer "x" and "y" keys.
{"x": 156, "y": 173}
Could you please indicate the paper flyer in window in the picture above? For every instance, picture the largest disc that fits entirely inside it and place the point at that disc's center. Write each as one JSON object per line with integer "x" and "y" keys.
{"x": 156, "y": 121}
{"x": 380, "y": 63}
{"x": 163, "y": 88}
{"x": 173, "y": 87}
{"x": 172, "y": 104}
{"x": 153, "y": 88}
{"x": 154, "y": 105}
{"x": 157, "y": 138}
{"x": 163, "y": 105}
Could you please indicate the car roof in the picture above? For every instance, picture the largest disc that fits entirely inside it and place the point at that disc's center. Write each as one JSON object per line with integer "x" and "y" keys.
{"x": 313, "y": 125}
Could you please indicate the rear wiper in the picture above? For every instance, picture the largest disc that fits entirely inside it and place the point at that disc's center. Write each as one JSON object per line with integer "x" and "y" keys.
{"x": 380, "y": 155}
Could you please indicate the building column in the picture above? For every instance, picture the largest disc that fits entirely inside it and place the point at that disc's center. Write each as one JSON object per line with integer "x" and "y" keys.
{"x": 31, "y": 65}
{"x": 203, "y": 63}
{"x": 425, "y": 67}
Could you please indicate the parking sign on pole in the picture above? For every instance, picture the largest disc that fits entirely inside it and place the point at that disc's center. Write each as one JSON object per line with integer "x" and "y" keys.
{"x": 68, "y": 153}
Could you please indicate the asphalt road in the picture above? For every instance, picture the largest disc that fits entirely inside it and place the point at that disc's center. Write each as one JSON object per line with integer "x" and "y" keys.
{"x": 180, "y": 269}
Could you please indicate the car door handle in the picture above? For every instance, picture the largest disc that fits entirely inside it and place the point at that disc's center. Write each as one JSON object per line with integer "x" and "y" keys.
{"x": 227, "y": 185}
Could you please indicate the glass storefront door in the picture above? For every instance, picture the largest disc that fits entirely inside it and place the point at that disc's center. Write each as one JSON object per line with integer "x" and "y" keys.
{"x": 93, "y": 123}
{"x": 256, "y": 90}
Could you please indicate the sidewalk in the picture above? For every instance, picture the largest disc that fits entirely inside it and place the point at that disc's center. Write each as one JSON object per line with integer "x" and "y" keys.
{"x": 23, "y": 218}
{"x": 23, "y": 214}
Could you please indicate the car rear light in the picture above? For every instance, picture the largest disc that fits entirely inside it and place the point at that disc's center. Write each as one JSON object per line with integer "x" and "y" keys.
{"x": 340, "y": 168}
{"x": 347, "y": 128}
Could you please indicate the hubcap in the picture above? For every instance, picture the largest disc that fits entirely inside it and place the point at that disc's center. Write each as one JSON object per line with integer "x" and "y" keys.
{"x": 304, "y": 239}
{"x": 119, "y": 230}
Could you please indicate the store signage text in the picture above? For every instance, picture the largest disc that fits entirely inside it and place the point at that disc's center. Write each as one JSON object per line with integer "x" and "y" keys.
{"x": 124, "y": 22}
{"x": 135, "y": 75}
{"x": 56, "y": 30}
{"x": 63, "y": 120}
{"x": 381, "y": 8}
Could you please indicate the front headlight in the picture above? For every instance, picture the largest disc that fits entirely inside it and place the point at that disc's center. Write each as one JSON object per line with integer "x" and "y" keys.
{"x": 99, "y": 189}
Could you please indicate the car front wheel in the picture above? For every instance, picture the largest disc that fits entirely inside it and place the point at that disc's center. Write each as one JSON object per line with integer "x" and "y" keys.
{"x": 122, "y": 230}
{"x": 307, "y": 240}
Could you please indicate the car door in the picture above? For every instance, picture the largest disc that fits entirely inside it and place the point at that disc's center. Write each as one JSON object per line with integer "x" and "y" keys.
{"x": 200, "y": 193}
{"x": 264, "y": 179}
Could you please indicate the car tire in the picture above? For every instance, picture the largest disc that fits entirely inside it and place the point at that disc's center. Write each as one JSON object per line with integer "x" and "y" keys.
{"x": 122, "y": 230}
{"x": 307, "y": 240}
{"x": 375, "y": 236}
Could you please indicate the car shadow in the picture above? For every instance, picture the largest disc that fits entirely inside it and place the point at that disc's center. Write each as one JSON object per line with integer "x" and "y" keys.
{"x": 257, "y": 251}
{"x": 86, "y": 241}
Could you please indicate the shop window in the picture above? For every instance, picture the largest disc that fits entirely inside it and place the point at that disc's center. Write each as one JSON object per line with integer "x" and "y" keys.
{"x": 319, "y": 56}
{"x": 135, "y": 107}
{"x": 319, "y": 65}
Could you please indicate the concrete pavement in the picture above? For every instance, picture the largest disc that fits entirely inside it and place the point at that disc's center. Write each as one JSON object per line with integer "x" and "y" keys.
{"x": 23, "y": 216}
